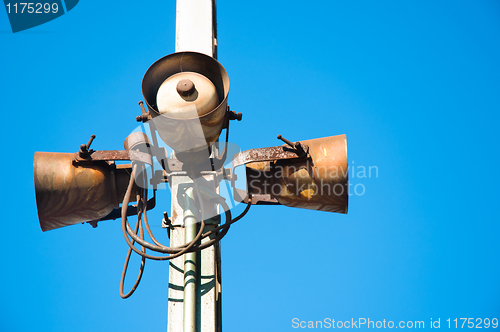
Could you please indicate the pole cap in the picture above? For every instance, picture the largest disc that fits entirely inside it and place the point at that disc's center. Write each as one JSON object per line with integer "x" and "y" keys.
{"x": 185, "y": 87}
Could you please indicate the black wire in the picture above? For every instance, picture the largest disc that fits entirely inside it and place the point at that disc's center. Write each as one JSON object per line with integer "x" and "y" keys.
{"x": 158, "y": 247}
{"x": 182, "y": 249}
{"x": 226, "y": 225}
{"x": 176, "y": 252}
{"x": 146, "y": 223}
{"x": 138, "y": 227}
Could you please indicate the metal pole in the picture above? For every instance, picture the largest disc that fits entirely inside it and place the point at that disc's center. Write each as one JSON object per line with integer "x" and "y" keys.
{"x": 196, "y": 27}
{"x": 195, "y": 31}
{"x": 190, "y": 262}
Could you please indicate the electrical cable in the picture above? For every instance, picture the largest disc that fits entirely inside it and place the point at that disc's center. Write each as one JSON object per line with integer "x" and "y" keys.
{"x": 176, "y": 251}
{"x": 225, "y": 227}
{"x": 138, "y": 227}
{"x": 146, "y": 223}
{"x": 173, "y": 251}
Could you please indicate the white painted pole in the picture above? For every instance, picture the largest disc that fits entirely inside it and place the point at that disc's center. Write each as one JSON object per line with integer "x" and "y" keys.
{"x": 195, "y": 27}
{"x": 195, "y": 31}
{"x": 190, "y": 263}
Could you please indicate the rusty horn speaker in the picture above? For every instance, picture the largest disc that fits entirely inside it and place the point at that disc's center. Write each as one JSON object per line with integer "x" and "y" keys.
{"x": 311, "y": 174}
{"x": 69, "y": 192}
{"x": 186, "y": 94}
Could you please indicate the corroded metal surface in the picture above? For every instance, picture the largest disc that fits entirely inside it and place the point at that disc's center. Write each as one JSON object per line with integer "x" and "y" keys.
{"x": 109, "y": 155}
{"x": 258, "y": 185}
{"x": 189, "y": 137}
{"x": 263, "y": 154}
{"x": 318, "y": 182}
{"x": 104, "y": 155}
{"x": 70, "y": 192}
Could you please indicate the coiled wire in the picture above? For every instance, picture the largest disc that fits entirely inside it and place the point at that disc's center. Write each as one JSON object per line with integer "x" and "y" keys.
{"x": 173, "y": 252}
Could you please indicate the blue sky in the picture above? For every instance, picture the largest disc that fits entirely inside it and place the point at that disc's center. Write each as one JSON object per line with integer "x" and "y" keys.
{"x": 413, "y": 84}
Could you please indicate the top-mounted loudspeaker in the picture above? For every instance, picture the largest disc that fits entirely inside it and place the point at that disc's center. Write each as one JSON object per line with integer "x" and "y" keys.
{"x": 186, "y": 94}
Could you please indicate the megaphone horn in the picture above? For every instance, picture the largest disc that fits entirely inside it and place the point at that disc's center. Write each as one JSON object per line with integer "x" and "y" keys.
{"x": 311, "y": 174}
{"x": 186, "y": 94}
{"x": 72, "y": 188}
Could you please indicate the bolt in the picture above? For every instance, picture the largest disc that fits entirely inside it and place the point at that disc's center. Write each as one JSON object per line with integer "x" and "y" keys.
{"x": 299, "y": 149}
{"x": 90, "y": 141}
{"x": 235, "y": 116}
{"x": 286, "y": 141}
{"x": 185, "y": 88}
